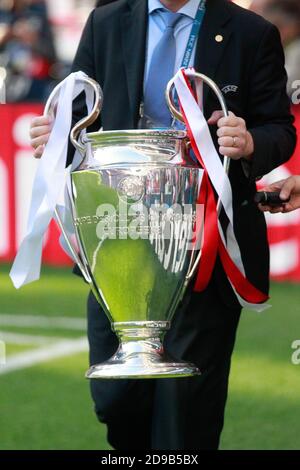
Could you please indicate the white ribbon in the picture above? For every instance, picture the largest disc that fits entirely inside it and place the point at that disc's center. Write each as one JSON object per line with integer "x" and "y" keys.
{"x": 49, "y": 184}
{"x": 215, "y": 170}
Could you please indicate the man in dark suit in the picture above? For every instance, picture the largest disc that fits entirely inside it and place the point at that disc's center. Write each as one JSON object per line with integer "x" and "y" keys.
{"x": 243, "y": 54}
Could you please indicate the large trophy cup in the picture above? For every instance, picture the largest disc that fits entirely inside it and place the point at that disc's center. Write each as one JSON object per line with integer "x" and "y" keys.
{"x": 138, "y": 229}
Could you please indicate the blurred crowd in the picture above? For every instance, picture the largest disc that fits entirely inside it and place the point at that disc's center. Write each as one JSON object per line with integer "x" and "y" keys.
{"x": 285, "y": 14}
{"x": 31, "y": 66}
{"x": 27, "y": 52}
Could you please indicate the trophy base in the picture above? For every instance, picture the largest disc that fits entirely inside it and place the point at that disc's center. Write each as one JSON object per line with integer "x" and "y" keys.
{"x": 113, "y": 369}
{"x": 141, "y": 355}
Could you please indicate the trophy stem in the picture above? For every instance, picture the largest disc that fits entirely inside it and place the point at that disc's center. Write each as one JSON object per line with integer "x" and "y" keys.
{"x": 141, "y": 354}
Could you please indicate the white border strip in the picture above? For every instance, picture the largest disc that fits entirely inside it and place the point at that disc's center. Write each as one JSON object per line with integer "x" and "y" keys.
{"x": 20, "y": 338}
{"x": 70, "y": 323}
{"x": 38, "y": 356}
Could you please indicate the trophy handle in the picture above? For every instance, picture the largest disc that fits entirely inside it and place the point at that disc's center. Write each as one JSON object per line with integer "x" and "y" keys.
{"x": 86, "y": 121}
{"x": 82, "y": 124}
{"x": 73, "y": 250}
{"x": 177, "y": 114}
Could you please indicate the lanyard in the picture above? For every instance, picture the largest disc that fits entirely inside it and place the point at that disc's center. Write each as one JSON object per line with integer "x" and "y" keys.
{"x": 197, "y": 23}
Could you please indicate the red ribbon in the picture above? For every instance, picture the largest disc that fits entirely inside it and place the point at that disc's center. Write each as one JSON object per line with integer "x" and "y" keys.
{"x": 210, "y": 233}
{"x": 213, "y": 243}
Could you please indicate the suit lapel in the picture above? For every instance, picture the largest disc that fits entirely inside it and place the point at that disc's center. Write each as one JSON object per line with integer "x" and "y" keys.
{"x": 134, "y": 29}
{"x": 216, "y": 26}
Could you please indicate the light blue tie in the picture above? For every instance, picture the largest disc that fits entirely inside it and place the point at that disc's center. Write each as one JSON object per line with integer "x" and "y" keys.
{"x": 161, "y": 70}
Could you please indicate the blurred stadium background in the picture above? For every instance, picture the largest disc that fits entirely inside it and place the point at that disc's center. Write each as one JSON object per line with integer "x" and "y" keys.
{"x": 44, "y": 398}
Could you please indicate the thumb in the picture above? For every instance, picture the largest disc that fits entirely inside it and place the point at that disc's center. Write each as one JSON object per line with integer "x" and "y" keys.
{"x": 214, "y": 118}
{"x": 287, "y": 188}
{"x": 277, "y": 186}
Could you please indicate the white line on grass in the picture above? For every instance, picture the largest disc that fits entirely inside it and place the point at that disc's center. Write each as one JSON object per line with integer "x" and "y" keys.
{"x": 55, "y": 351}
{"x": 43, "y": 321}
{"x": 19, "y": 338}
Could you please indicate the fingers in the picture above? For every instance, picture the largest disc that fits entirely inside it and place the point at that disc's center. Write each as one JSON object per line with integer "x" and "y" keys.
{"x": 38, "y": 141}
{"x": 231, "y": 152}
{"x": 232, "y": 135}
{"x": 284, "y": 208}
{"x": 232, "y": 146}
{"x": 288, "y": 207}
{"x": 218, "y": 117}
{"x": 231, "y": 121}
{"x": 232, "y": 141}
{"x": 231, "y": 131}
{"x": 39, "y": 151}
{"x": 273, "y": 210}
{"x": 41, "y": 121}
{"x": 274, "y": 186}
{"x": 215, "y": 117}
{"x": 288, "y": 187}
{"x": 227, "y": 141}
{"x": 40, "y": 130}
{"x": 262, "y": 208}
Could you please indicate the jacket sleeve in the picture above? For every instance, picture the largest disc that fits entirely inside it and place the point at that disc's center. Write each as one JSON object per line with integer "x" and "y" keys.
{"x": 84, "y": 57}
{"x": 268, "y": 109}
{"x": 84, "y": 61}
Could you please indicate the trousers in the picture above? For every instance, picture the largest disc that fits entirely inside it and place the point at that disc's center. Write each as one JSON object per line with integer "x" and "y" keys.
{"x": 169, "y": 413}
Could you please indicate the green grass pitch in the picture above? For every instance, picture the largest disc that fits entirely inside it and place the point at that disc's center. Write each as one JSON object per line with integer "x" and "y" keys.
{"x": 48, "y": 405}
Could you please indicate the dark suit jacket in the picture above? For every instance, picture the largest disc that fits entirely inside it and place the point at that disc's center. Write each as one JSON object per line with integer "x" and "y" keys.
{"x": 112, "y": 51}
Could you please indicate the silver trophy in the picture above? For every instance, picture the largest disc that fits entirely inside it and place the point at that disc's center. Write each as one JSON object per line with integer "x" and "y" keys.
{"x": 138, "y": 230}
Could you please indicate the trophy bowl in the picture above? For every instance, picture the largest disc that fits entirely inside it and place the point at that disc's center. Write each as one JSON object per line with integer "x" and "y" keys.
{"x": 134, "y": 208}
{"x": 138, "y": 228}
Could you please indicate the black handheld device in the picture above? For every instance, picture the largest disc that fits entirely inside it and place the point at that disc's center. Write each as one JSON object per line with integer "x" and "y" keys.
{"x": 266, "y": 198}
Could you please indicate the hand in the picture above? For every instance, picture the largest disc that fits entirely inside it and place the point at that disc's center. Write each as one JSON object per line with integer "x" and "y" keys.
{"x": 289, "y": 187}
{"x": 235, "y": 140}
{"x": 40, "y": 130}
